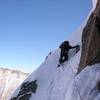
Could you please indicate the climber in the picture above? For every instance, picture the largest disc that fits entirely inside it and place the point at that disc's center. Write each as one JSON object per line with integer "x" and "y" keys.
{"x": 65, "y": 47}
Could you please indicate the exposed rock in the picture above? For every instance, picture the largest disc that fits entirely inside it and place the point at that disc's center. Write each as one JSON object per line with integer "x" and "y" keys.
{"x": 26, "y": 90}
{"x": 23, "y": 97}
{"x": 91, "y": 40}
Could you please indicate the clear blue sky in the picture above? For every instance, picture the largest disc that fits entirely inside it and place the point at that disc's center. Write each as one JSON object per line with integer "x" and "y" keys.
{"x": 29, "y": 29}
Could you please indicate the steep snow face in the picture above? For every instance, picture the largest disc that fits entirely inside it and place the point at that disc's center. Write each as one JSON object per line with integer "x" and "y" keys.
{"x": 9, "y": 80}
{"x": 52, "y": 81}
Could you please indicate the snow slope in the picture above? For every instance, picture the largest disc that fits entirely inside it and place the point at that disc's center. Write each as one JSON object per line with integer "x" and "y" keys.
{"x": 84, "y": 86}
{"x": 53, "y": 81}
{"x": 62, "y": 83}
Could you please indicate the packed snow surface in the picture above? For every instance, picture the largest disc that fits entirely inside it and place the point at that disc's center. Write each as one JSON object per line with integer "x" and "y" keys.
{"x": 84, "y": 86}
{"x": 53, "y": 81}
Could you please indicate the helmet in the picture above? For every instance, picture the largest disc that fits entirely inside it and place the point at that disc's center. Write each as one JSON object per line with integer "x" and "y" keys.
{"x": 65, "y": 43}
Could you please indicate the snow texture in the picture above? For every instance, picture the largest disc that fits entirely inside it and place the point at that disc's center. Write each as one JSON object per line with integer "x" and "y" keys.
{"x": 94, "y": 2}
{"x": 83, "y": 86}
{"x": 53, "y": 81}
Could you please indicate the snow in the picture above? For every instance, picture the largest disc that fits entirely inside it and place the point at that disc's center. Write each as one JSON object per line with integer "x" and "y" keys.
{"x": 51, "y": 78}
{"x": 83, "y": 86}
{"x": 63, "y": 83}
{"x": 94, "y": 2}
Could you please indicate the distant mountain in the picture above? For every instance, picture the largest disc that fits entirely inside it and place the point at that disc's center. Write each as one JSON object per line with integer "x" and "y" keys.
{"x": 9, "y": 81}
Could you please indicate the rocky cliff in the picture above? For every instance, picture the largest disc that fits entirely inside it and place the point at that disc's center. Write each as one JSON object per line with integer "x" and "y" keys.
{"x": 91, "y": 40}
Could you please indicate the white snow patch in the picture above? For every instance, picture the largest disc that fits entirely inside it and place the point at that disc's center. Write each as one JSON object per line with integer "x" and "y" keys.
{"x": 60, "y": 83}
{"x": 94, "y": 2}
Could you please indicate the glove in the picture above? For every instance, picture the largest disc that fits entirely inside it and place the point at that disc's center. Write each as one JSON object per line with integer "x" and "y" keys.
{"x": 77, "y": 48}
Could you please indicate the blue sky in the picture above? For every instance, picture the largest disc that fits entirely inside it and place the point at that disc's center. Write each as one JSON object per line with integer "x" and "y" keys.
{"x": 29, "y": 29}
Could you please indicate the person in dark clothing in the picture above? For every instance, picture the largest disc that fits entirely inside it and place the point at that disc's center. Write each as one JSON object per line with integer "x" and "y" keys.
{"x": 65, "y": 47}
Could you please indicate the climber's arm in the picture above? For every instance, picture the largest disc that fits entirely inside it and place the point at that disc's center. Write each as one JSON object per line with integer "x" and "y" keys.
{"x": 74, "y": 46}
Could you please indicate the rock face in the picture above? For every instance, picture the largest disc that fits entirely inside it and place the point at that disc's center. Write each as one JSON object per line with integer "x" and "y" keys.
{"x": 26, "y": 90}
{"x": 9, "y": 81}
{"x": 91, "y": 40}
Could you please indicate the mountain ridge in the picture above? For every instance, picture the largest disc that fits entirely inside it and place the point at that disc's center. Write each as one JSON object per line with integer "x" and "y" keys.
{"x": 9, "y": 81}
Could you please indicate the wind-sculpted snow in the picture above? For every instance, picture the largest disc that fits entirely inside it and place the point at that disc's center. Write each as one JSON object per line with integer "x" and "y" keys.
{"x": 85, "y": 85}
{"x": 52, "y": 82}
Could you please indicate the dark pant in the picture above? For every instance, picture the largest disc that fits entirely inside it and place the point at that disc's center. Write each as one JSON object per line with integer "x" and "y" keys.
{"x": 63, "y": 57}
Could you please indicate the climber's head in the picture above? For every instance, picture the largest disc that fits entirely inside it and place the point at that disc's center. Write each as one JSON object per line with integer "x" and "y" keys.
{"x": 66, "y": 42}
